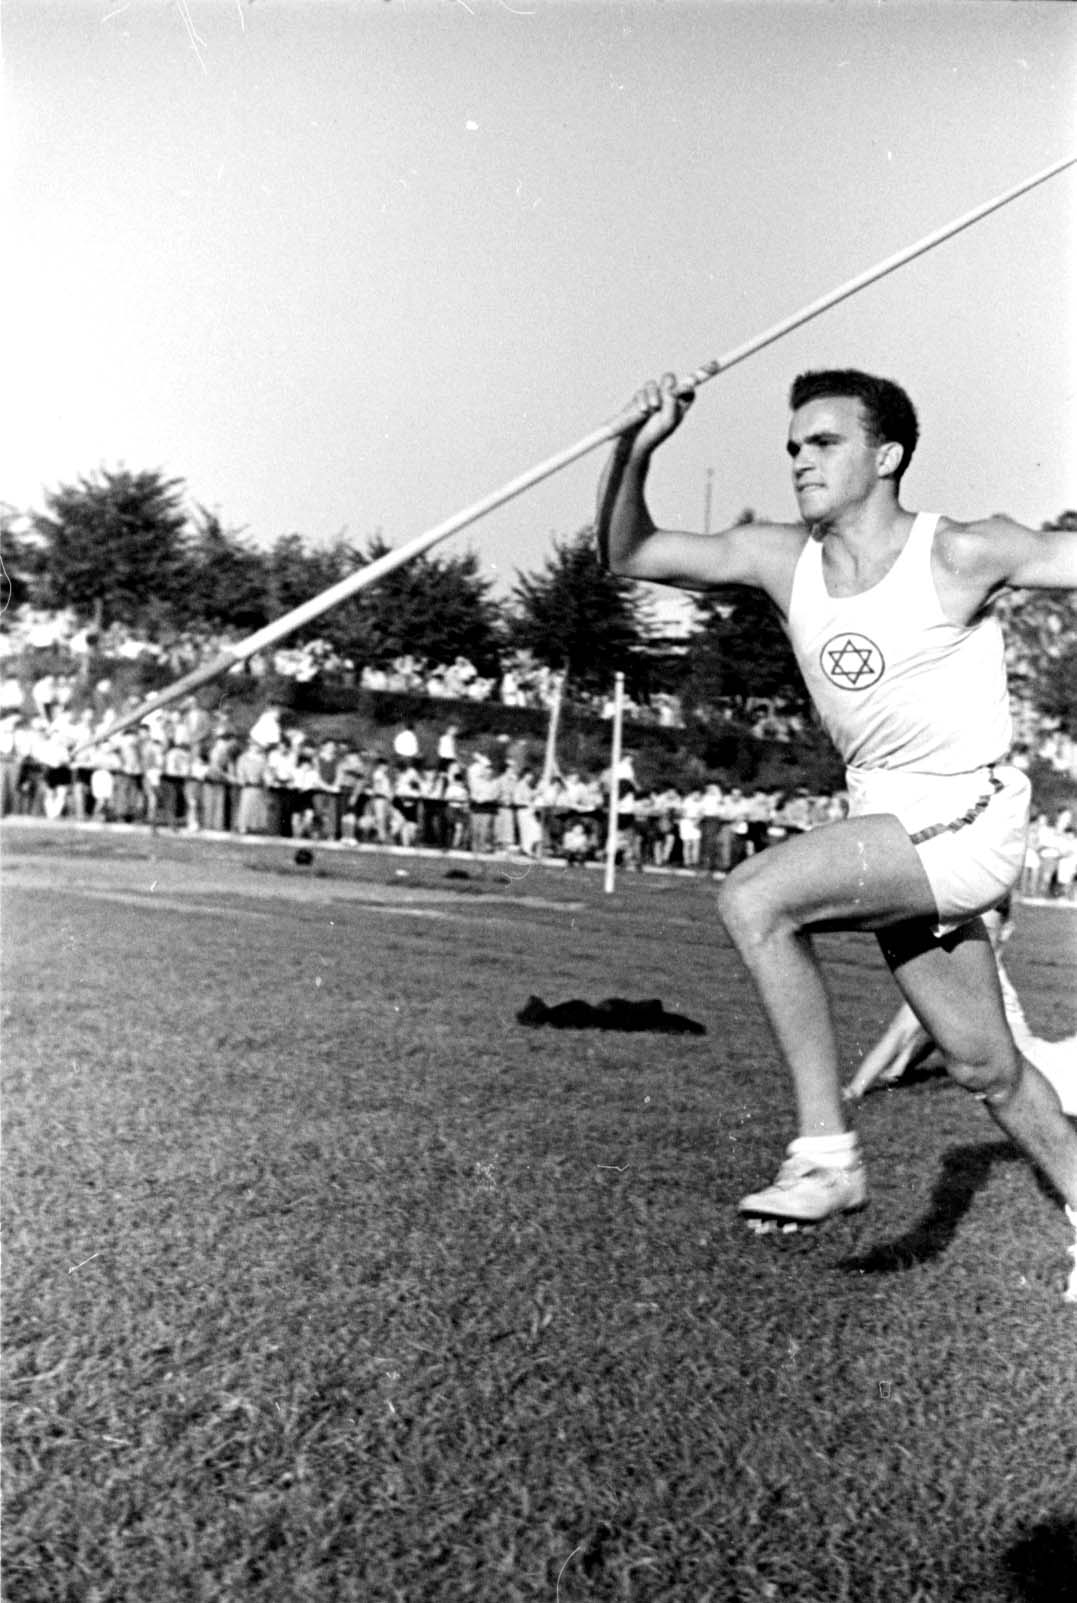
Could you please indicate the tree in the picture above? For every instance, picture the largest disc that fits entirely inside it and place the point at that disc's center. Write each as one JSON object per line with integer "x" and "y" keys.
{"x": 229, "y": 582}
{"x": 115, "y": 549}
{"x": 741, "y": 653}
{"x": 295, "y": 574}
{"x": 434, "y": 609}
{"x": 576, "y": 616}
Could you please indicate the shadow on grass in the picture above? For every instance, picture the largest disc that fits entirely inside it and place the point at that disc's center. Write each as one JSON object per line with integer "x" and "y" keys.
{"x": 1041, "y": 1565}
{"x": 965, "y": 1170}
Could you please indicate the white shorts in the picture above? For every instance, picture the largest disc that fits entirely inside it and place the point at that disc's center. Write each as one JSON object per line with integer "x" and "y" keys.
{"x": 968, "y": 829}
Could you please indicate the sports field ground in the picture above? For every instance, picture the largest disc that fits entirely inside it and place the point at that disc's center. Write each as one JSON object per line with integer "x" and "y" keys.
{"x": 328, "y": 1280}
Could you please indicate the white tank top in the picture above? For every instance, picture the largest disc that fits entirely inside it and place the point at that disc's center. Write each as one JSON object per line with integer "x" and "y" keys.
{"x": 897, "y": 685}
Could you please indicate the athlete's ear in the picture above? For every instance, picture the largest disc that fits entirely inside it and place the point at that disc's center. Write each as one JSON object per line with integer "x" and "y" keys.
{"x": 889, "y": 459}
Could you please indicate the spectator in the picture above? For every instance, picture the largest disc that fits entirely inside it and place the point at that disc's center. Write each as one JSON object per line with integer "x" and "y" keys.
{"x": 797, "y": 812}
{"x": 176, "y": 771}
{"x": 349, "y": 781}
{"x": 710, "y": 827}
{"x": 266, "y": 730}
{"x": 759, "y": 812}
{"x": 381, "y": 802}
{"x": 1065, "y": 843}
{"x": 433, "y": 822}
{"x": 688, "y": 828}
{"x": 102, "y": 783}
{"x": 576, "y": 844}
{"x": 129, "y": 797}
{"x": 196, "y": 722}
{"x": 664, "y": 810}
{"x": 326, "y": 796}
{"x": 193, "y": 786}
{"x": 528, "y": 828}
{"x": 12, "y": 695}
{"x": 550, "y": 811}
{"x": 733, "y": 835}
{"x": 152, "y": 748}
{"x": 55, "y": 771}
{"x": 44, "y": 696}
{"x": 305, "y": 783}
{"x": 407, "y": 791}
{"x": 505, "y": 817}
{"x": 10, "y": 762}
{"x": 251, "y": 812}
{"x": 80, "y": 735}
{"x": 482, "y": 790}
{"x": 447, "y": 747}
{"x": 220, "y": 772}
{"x": 279, "y": 782}
{"x": 457, "y": 808}
{"x": 628, "y": 838}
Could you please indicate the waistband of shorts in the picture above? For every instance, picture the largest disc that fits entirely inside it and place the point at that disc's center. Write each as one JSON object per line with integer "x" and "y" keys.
{"x": 929, "y": 804}
{"x": 969, "y": 816}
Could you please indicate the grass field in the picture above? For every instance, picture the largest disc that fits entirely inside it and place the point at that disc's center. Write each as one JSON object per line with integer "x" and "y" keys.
{"x": 327, "y": 1280}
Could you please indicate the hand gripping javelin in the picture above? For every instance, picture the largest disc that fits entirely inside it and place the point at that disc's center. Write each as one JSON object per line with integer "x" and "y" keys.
{"x": 369, "y": 574}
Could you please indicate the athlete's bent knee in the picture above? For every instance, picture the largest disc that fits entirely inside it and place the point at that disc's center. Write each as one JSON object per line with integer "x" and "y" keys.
{"x": 994, "y": 1082}
{"x": 742, "y": 908}
{"x": 752, "y": 913}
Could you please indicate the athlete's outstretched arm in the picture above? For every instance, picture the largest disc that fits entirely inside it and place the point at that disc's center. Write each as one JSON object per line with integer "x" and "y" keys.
{"x": 1044, "y": 559}
{"x": 1003, "y": 553}
{"x": 630, "y": 542}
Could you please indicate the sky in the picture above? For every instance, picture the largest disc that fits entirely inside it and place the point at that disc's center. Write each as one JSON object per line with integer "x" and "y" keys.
{"x": 346, "y": 266}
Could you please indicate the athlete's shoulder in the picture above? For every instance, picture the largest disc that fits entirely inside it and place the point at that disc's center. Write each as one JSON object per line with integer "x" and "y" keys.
{"x": 981, "y": 546}
{"x": 766, "y": 555}
{"x": 993, "y": 553}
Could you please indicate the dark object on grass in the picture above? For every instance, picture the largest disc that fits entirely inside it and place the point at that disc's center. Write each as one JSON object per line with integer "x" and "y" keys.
{"x": 615, "y": 1013}
{"x": 457, "y": 873}
{"x": 304, "y": 857}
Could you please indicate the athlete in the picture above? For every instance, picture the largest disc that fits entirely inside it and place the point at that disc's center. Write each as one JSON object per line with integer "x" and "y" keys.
{"x": 905, "y": 1041}
{"x": 888, "y": 612}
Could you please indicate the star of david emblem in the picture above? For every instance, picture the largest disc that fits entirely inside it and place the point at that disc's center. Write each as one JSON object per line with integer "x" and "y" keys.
{"x": 852, "y": 662}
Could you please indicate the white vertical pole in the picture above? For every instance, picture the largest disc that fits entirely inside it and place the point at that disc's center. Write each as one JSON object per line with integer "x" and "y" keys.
{"x": 615, "y": 788}
{"x": 550, "y": 761}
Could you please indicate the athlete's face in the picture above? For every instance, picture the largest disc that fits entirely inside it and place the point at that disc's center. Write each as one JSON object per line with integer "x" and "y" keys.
{"x": 835, "y": 465}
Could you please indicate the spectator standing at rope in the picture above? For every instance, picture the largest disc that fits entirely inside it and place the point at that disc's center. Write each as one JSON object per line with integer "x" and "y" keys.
{"x": 888, "y": 614}
{"x": 407, "y": 793}
{"x": 482, "y": 794}
{"x": 527, "y": 822}
{"x": 506, "y": 782}
{"x": 447, "y": 747}
{"x": 381, "y": 801}
{"x": 710, "y": 824}
{"x": 457, "y": 808}
{"x": 252, "y": 815}
{"x": 219, "y": 771}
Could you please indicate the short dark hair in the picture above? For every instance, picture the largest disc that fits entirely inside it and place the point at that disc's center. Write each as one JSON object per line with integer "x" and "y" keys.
{"x": 889, "y": 415}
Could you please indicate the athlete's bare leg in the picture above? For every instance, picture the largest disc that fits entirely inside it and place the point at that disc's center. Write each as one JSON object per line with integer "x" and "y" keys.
{"x": 864, "y": 873}
{"x": 861, "y": 873}
{"x": 937, "y": 979}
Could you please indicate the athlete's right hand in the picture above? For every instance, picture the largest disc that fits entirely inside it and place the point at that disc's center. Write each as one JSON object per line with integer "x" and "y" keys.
{"x": 662, "y": 411}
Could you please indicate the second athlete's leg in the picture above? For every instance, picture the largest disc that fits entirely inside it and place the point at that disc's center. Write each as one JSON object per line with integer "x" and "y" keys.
{"x": 953, "y": 987}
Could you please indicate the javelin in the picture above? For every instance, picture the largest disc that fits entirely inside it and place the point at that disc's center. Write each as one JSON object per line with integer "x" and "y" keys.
{"x": 616, "y": 426}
